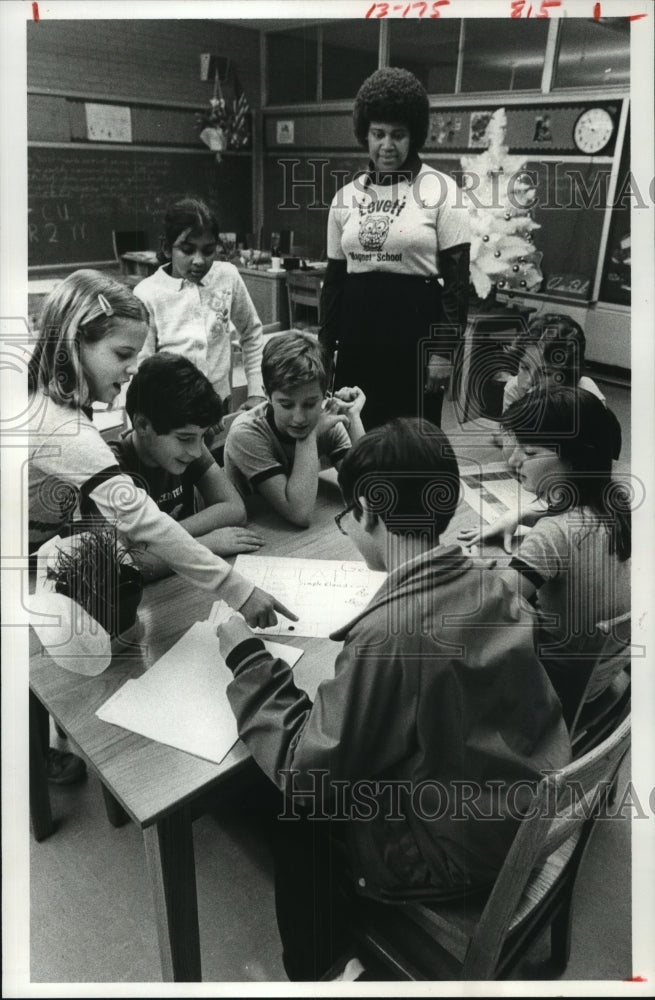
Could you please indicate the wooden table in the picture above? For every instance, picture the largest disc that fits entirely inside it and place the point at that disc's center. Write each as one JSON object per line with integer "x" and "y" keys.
{"x": 156, "y": 786}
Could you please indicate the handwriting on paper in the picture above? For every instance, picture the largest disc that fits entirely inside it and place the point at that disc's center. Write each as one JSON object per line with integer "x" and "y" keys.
{"x": 324, "y": 593}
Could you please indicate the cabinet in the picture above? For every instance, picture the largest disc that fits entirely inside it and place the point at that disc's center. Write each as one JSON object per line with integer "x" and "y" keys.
{"x": 268, "y": 292}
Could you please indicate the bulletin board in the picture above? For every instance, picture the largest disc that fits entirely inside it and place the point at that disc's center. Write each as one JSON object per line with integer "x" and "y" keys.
{"x": 78, "y": 196}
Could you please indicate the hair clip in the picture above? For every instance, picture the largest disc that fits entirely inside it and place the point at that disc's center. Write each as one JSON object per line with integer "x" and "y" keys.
{"x": 104, "y": 305}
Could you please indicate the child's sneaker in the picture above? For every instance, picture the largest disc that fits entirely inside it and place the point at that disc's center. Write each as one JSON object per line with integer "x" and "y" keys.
{"x": 63, "y": 768}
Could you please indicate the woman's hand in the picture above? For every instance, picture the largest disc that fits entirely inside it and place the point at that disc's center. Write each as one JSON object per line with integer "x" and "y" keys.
{"x": 505, "y": 526}
{"x": 259, "y": 610}
{"x": 231, "y": 541}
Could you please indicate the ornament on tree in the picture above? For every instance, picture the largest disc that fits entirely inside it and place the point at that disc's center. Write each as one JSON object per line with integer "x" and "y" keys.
{"x": 501, "y": 196}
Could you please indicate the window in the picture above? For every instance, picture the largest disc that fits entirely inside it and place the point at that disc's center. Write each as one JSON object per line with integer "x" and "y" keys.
{"x": 292, "y": 65}
{"x": 428, "y": 49}
{"x": 350, "y": 54}
{"x": 503, "y": 54}
{"x": 593, "y": 53}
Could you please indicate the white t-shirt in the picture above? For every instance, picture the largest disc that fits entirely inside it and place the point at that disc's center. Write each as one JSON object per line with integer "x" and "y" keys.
{"x": 580, "y": 582}
{"x": 398, "y": 227}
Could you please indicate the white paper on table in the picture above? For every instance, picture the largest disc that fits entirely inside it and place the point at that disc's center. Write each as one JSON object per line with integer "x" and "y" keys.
{"x": 492, "y": 493}
{"x": 324, "y": 593}
{"x": 181, "y": 700}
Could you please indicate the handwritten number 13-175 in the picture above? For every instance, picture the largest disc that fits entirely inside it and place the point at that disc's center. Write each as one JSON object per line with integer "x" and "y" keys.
{"x": 421, "y": 9}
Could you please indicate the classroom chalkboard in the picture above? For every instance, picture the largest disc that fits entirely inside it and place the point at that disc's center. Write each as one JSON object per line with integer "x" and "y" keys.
{"x": 77, "y": 197}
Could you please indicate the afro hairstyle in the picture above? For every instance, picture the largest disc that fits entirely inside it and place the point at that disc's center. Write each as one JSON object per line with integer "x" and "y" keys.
{"x": 392, "y": 95}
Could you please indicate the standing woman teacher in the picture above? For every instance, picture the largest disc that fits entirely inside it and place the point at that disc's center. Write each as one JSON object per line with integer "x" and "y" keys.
{"x": 398, "y": 260}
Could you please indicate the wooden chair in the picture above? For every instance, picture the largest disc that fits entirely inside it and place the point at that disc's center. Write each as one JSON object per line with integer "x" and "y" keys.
{"x": 594, "y": 686}
{"x": 129, "y": 240}
{"x": 608, "y": 689}
{"x": 304, "y": 291}
{"x": 484, "y": 937}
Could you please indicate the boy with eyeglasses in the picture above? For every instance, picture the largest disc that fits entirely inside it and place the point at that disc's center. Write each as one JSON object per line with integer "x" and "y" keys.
{"x": 436, "y": 726}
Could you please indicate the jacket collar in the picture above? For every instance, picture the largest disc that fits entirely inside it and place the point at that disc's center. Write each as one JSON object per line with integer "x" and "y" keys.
{"x": 410, "y": 169}
{"x": 432, "y": 569}
{"x": 164, "y": 275}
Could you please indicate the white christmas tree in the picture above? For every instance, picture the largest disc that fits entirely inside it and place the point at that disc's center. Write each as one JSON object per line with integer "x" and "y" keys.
{"x": 501, "y": 197}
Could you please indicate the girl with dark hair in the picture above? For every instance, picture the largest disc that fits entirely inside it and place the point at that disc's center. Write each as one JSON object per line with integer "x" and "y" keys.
{"x": 195, "y": 303}
{"x": 398, "y": 260}
{"x": 549, "y": 353}
{"x": 575, "y": 562}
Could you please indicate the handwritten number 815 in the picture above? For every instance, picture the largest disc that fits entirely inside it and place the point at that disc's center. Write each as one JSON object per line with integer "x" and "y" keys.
{"x": 518, "y": 7}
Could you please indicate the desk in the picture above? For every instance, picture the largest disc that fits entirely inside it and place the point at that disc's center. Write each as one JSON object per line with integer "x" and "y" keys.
{"x": 157, "y": 786}
{"x": 139, "y": 262}
{"x": 268, "y": 291}
{"x": 154, "y": 785}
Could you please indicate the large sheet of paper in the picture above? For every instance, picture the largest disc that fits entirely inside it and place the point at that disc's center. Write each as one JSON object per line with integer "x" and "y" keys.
{"x": 492, "y": 492}
{"x": 181, "y": 700}
{"x": 324, "y": 593}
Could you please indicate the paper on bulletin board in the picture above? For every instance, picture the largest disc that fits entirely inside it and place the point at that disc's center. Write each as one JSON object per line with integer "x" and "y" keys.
{"x": 108, "y": 122}
{"x": 324, "y": 593}
{"x": 182, "y": 699}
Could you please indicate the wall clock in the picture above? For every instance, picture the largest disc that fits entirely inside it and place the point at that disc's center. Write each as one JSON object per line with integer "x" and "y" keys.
{"x": 593, "y": 130}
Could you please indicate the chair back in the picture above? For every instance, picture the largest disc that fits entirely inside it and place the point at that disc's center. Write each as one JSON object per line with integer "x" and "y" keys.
{"x": 604, "y": 687}
{"x": 565, "y": 801}
{"x": 129, "y": 240}
{"x": 614, "y": 655}
{"x": 304, "y": 290}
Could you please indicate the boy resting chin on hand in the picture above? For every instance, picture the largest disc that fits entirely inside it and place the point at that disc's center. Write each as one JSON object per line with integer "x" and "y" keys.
{"x": 276, "y": 448}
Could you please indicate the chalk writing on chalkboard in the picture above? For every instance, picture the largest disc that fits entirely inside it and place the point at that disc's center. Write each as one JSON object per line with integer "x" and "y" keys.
{"x": 77, "y": 197}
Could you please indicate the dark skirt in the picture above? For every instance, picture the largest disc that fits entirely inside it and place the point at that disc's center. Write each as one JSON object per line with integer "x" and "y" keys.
{"x": 384, "y": 325}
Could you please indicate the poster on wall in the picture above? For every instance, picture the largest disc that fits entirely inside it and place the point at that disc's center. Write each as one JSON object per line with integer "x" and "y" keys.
{"x": 108, "y": 122}
{"x": 285, "y": 132}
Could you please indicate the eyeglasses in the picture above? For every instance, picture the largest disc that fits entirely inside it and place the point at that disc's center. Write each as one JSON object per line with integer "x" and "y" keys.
{"x": 338, "y": 518}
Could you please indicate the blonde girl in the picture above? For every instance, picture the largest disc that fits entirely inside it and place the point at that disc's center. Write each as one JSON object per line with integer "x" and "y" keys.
{"x": 91, "y": 331}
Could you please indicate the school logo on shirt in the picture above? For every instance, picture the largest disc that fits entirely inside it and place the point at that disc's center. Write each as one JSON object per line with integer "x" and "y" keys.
{"x": 376, "y": 216}
{"x": 373, "y": 232}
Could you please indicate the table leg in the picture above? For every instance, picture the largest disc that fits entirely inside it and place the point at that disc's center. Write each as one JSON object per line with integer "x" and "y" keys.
{"x": 40, "y": 811}
{"x": 171, "y": 862}
{"x": 115, "y": 812}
